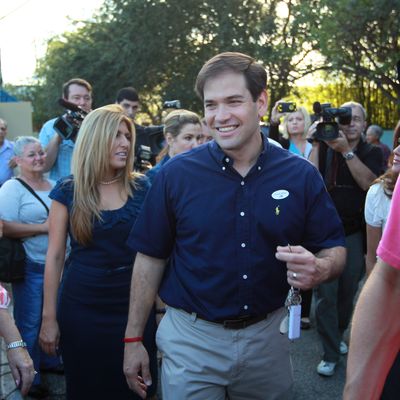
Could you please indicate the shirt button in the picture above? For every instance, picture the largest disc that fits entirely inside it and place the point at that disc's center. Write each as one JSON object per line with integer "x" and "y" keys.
{"x": 244, "y": 276}
{"x": 223, "y": 168}
{"x": 242, "y": 214}
{"x": 246, "y": 307}
{"x": 227, "y": 159}
{"x": 259, "y": 168}
{"x": 242, "y": 183}
{"x": 243, "y": 244}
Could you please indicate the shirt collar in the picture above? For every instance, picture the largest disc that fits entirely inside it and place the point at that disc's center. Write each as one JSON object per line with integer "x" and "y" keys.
{"x": 6, "y": 145}
{"x": 223, "y": 159}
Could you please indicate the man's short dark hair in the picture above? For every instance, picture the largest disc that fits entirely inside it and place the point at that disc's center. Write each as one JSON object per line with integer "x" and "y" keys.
{"x": 254, "y": 73}
{"x": 75, "y": 81}
{"x": 127, "y": 93}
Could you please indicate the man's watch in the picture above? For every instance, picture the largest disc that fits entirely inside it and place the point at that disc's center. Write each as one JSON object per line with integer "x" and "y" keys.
{"x": 348, "y": 156}
{"x": 16, "y": 344}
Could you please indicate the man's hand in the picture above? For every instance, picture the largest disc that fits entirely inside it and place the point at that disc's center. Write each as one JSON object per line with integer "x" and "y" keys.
{"x": 136, "y": 360}
{"x": 302, "y": 266}
{"x": 340, "y": 144}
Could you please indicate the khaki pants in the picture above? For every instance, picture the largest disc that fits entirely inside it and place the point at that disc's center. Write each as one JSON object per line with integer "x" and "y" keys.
{"x": 204, "y": 361}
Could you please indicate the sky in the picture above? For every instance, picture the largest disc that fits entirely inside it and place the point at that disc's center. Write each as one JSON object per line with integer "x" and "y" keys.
{"x": 25, "y": 25}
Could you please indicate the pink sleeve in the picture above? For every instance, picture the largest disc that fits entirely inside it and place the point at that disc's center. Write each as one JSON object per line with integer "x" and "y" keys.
{"x": 4, "y": 298}
{"x": 389, "y": 249}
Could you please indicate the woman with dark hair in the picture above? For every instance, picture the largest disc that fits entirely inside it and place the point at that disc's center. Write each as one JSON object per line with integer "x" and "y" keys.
{"x": 97, "y": 205}
{"x": 182, "y": 132}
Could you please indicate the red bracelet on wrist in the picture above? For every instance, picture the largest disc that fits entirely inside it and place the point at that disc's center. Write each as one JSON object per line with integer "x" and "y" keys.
{"x": 133, "y": 339}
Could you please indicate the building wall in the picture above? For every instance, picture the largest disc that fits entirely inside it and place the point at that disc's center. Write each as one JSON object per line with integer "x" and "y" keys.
{"x": 19, "y": 118}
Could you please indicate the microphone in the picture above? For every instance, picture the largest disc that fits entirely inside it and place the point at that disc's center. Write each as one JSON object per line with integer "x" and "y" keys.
{"x": 68, "y": 105}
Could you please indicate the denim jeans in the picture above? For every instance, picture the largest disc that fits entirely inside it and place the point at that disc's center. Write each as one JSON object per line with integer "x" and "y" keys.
{"x": 28, "y": 303}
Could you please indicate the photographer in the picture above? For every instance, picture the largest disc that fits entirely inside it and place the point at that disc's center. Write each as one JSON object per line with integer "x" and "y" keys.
{"x": 59, "y": 151}
{"x": 348, "y": 165}
{"x": 296, "y": 122}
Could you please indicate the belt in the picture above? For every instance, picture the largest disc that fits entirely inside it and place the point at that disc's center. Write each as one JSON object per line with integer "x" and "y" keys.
{"x": 239, "y": 323}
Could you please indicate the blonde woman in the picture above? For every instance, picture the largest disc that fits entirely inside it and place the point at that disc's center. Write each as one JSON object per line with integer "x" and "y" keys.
{"x": 294, "y": 130}
{"x": 97, "y": 206}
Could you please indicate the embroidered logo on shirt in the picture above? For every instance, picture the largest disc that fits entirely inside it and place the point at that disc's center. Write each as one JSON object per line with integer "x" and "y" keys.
{"x": 280, "y": 194}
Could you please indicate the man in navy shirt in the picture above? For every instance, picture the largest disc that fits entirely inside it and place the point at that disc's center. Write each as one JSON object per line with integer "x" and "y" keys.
{"x": 224, "y": 231}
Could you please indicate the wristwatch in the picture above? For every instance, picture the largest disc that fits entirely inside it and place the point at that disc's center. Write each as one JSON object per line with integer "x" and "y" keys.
{"x": 17, "y": 343}
{"x": 348, "y": 156}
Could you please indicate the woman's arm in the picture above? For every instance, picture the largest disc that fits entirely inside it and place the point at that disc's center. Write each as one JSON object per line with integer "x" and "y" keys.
{"x": 374, "y": 234}
{"x": 58, "y": 227}
{"x": 20, "y": 230}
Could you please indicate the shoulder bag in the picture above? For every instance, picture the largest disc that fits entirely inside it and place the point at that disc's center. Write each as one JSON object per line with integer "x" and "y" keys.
{"x": 12, "y": 252}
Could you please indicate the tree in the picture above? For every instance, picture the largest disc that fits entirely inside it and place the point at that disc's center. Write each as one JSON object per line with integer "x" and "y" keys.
{"x": 361, "y": 39}
{"x": 159, "y": 46}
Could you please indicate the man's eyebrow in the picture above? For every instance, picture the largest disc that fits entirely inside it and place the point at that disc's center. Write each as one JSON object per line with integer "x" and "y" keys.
{"x": 233, "y": 97}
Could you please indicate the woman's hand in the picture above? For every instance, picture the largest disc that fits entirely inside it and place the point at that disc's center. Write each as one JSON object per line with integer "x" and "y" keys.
{"x": 49, "y": 336}
{"x": 275, "y": 114}
{"x": 22, "y": 370}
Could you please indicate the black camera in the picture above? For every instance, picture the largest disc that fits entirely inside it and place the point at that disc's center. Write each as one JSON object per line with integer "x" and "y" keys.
{"x": 328, "y": 128}
{"x": 67, "y": 126}
{"x": 143, "y": 158}
{"x": 172, "y": 104}
{"x": 287, "y": 107}
{"x": 149, "y": 142}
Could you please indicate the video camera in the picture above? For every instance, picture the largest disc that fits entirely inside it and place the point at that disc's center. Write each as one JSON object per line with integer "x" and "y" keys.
{"x": 67, "y": 126}
{"x": 328, "y": 128}
{"x": 150, "y": 140}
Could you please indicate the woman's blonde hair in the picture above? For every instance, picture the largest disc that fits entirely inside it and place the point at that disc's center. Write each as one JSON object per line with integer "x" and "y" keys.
{"x": 307, "y": 122}
{"x": 90, "y": 164}
{"x": 173, "y": 124}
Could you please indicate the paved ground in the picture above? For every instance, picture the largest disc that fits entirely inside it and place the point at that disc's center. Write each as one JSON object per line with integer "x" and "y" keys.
{"x": 305, "y": 356}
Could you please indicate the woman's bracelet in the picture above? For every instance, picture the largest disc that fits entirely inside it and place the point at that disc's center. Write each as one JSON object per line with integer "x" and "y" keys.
{"x": 133, "y": 339}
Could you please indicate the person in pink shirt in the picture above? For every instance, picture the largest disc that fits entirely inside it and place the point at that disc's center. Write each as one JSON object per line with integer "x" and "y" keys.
{"x": 375, "y": 333}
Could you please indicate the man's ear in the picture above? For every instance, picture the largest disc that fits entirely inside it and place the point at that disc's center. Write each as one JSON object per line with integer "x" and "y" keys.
{"x": 262, "y": 103}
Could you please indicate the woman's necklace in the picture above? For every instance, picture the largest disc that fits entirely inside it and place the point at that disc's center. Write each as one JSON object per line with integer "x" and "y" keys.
{"x": 116, "y": 179}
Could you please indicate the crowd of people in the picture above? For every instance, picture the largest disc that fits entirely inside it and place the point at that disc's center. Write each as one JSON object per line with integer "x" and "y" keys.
{"x": 193, "y": 259}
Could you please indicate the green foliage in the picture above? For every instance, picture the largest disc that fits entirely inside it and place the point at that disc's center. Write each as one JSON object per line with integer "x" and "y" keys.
{"x": 158, "y": 46}
{"x": 360, "y": 38}
{"x": 380, "y": 110}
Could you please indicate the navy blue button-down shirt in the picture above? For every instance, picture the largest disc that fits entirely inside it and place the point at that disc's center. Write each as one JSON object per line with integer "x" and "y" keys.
{"x": 219, "y": 231}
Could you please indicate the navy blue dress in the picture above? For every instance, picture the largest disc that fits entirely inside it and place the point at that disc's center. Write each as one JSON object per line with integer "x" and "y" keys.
{"x": 94, "y": 303}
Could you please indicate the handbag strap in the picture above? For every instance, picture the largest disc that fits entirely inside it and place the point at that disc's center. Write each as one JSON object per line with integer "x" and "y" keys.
{"x": 23, "y": 183}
